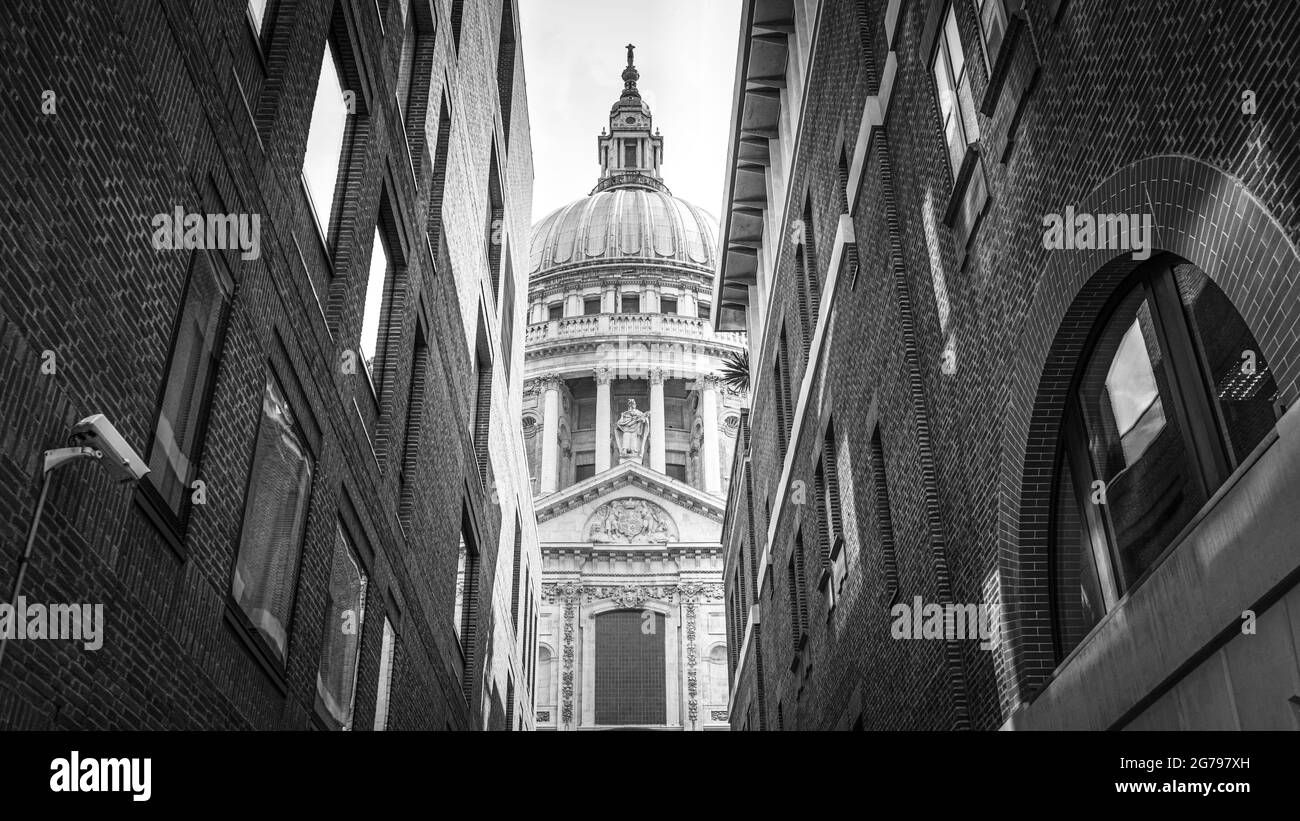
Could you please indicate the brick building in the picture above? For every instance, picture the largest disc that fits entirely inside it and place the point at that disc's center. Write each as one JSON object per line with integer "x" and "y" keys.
{"x": 971, "y": 387}
{"x": 337, "y": 516}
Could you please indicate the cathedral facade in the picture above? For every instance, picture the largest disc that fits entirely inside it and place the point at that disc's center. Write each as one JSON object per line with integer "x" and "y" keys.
{"x": 628, "y": 429}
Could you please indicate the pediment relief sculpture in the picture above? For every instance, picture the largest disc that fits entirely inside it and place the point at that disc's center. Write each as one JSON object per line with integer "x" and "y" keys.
{"x": 630, "y": 521}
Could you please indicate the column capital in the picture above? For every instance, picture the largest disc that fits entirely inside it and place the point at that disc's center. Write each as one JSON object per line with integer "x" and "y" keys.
{"x": 550, "y": 382}
{"x": 656, "y": 376}
{"x": 710, "y": 381}
{"x": 602, "y": 375}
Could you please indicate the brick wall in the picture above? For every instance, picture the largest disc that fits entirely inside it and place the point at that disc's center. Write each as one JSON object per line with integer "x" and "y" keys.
{"x": 169, "y": 103}
{"x": 1104, "y": 99}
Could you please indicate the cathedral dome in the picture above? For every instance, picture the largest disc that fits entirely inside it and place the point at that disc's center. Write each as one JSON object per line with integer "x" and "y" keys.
{"x": 624, "y": 224}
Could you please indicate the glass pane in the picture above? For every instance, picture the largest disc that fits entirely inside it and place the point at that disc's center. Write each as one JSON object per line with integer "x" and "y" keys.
{"x": 1244, "y": 387}
{"x": 329, "y": 116}
{"x": 275, "y": 511}
{"x": 336, "y": 677}
{"x": 952, "y": 39}
{"x": 1076, "y": 590}
{"x": 375, "y": 287}
{"x": 257, "y": 11}
{"x": 461, "y": 559}
{"x": 555, "y": 311}
{"x": 385, "y": 676}
{"x": 1136, "y": 446}
{"x": 188, "y": 378}
{"x": 407, "y": 62}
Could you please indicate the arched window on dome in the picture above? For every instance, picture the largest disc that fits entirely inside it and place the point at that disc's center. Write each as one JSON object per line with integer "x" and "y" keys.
{"x": 1173, "y": 395}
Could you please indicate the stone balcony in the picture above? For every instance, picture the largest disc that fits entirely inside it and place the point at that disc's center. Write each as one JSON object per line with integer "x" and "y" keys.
{"x": 594, "y": 325}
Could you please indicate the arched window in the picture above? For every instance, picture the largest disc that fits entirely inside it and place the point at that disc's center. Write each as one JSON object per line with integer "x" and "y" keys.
{"x": 1173, "y": 394}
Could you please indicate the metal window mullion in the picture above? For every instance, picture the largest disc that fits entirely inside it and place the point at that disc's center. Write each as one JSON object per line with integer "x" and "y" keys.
{"x": 1192, "y": 406}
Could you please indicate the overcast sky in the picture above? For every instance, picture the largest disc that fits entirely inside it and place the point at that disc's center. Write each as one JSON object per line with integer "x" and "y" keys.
{"x": 574, "y": 52}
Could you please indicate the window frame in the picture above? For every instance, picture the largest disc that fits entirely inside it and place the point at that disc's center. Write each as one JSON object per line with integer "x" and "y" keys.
{"x": 1192, "y": 406}
{"x": 171, "y": 522}
{"x": 350, "y": 548}
{"x": 327, "y": 231}
{"x": 252, "y": 638}
{"x": 942, "y": 48}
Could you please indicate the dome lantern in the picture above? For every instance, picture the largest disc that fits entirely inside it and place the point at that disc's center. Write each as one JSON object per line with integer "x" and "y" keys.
{"x": 630, "y": 154}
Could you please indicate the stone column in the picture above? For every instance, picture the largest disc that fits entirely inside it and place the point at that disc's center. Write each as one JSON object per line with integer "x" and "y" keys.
{"x": 687, "y": 303}
{"x": 573, "y": 304}
{"x": 657, "y": 438}
{"x": 550, "y": 434}
{"x": 608, "y": 297}
{"x": 709, "y": 463}
{"x": 650, "y": 298}
{"x": 603, "y": 426}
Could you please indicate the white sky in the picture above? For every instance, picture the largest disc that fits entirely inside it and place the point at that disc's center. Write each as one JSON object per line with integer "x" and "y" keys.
{"x": 574, "y": 53}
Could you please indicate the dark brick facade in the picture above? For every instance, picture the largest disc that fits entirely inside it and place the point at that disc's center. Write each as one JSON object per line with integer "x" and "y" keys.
{"x": 174, "y": 103}
{"x": 1108, "y": 106}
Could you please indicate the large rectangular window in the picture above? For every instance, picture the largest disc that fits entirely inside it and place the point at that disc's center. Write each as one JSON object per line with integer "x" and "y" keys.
{"x": 325, "y": 142}
{"x": 386, "y": 654}
{"x": 191, "y": 372}
{"x": 952, "y": 83}
{"x": 377, "y": 288}
{"x": 275, "y": 515}
{"x": 465, "y": 613}
{"x": 406, "y": 60}
{"x": 336, "y": 676}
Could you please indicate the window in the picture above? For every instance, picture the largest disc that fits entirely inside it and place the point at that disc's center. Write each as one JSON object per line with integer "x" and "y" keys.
{"x": 586, "y": 414}
{"x": 482, "y": 419}
{"x": 377, "y": 289}
{"x": 1173, "y": 396}
{"x": 406, "y": 60}
{"x": 495, "y": 230}
{"x": 414, "y": 426}
{"x": 702, "y": 310}
{"x": 555, "y": 310}
{"x": 325, "y": 142}
{"x": 591, "y": 305}
{"x": 629, "y": 154}
{"x": 275, "y": 514}
{"x": 506, "y": 66}
{"x": 187, "y": 389}
{"x": 465, "y": 611}
{"x": 584, "y": 465}
{"x": 884, "y": 518}
{"x": 675, "y": 464}
{"x": 629, "y": 675}
{"x": 956, "y": 106}
{"x": 798, "y": 597}
{"x": 780, "y": 373}
{"x": 336, "y": 677}
{"x": 438, "y": 185}
{"x": 457, "y": 12}
{"x": 631, "y": 303}
{"x": 675, "y": 412}
{"x": 514, "y": 576}
{"x": 993, "y": 26}
{"x": 257, "y": 14}
{"x": 668, "y": 304}
{"x": 385, "y": 675}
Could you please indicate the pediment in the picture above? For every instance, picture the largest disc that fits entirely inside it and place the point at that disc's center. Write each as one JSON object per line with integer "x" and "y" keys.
{"x": 629, "y": 505}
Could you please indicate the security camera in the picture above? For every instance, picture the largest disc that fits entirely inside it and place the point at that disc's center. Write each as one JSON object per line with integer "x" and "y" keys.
{"x": 117, "y": 457}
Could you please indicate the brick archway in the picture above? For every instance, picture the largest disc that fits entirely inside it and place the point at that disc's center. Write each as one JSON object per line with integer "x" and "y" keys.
{"x": 1199, "y": 213}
